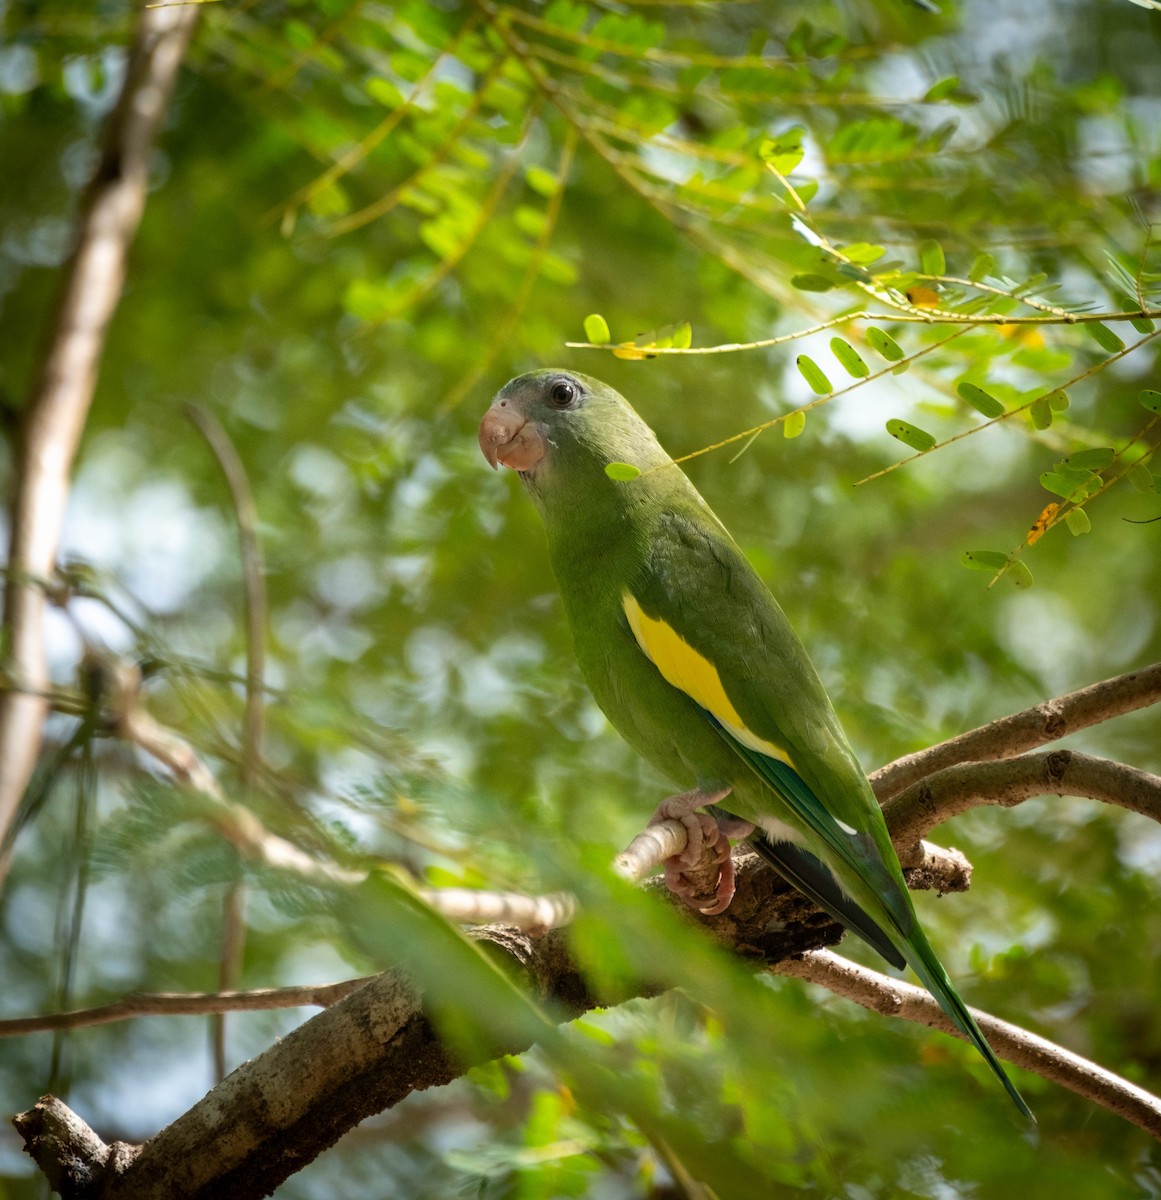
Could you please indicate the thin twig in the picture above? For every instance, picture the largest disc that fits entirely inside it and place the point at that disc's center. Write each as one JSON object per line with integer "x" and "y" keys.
{"x": 882, "y": 994}
{"x": 1014, "y": 734}
{"x": 55, "y": 415}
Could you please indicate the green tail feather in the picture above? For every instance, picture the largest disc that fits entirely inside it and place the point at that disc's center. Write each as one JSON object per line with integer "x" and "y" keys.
{"x": 923, "y": 961}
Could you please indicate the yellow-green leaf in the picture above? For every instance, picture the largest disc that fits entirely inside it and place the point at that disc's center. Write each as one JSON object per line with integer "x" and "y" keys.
{"x": 849, "y": 358}
{"x": 982, "y": 266}
{"x": 622, "y": 471}
{"x": 596, "y": 329}
{"x": 1058, "y": 401}
{"x": 983, "y": 560}
{"x": 812, "y": 373}
{"x": 1142, "y": 478}
{"x": 981, "y": 401}
{"x": 910, "y": 435}
{"x": 541, "y": 181}
{"x": 884, "y": 344}
{"x": 682, "y": 336}
{"x": 794, "y": 424}
{"x": 1077, "y": 521}
{"x": 863, "y": 253}
{"x": 811, "y": 283}
{"x": 931, "y": 258}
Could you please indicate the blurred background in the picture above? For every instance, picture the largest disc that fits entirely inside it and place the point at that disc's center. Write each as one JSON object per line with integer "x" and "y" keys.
{"x": 363, "y": 218}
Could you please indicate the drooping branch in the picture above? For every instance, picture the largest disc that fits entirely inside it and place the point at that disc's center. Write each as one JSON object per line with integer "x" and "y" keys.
{"x": 1014, "y": 734}
{"x": 366, "y": 1052}
{"x": 915, "y": 811}
{"x": 882, "y": 994}
{"x": 55, "y": 416}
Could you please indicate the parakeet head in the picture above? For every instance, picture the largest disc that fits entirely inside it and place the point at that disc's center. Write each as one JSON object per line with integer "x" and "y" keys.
{"x": 559, "y": 427}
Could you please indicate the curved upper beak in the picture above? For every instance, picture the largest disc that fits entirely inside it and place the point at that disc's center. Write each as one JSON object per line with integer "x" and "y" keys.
{"x": 508, "y": 437}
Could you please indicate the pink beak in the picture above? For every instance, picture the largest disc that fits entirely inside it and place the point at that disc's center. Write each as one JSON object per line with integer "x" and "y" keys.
{"x": 507, "y": 437}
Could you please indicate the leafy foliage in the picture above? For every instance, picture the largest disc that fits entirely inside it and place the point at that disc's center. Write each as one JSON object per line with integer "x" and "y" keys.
{"x": 365, "y": 217}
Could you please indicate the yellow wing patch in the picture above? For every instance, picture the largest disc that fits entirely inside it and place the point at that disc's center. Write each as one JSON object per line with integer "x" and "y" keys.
{"x": 687, "y": 670}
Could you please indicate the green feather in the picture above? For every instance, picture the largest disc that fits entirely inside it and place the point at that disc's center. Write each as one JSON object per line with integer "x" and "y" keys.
{"x": 653, "y": 538}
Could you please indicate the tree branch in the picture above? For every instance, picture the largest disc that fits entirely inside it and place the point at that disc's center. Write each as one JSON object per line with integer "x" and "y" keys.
{"x": 55, "y": 416}
{"x": 915, "y": 811}
{"x": 1012, "y": 735}
{"x": 882, "y": 994}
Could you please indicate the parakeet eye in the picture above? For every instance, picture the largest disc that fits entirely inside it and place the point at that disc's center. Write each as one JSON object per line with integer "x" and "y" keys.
{"x": 563, "y": 393}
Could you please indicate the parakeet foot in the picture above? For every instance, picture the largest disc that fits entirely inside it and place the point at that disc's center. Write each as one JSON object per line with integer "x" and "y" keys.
{"x": 703, "y": 873}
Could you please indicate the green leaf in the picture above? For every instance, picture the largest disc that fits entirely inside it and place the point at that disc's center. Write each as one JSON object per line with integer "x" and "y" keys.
{"x": 1090, "y": 460}
{"x": 812, "y": 373}
{"x": 862, "y": 253}
{"x": 942, "y": 90}
{"x": 1142, "y": 478}
{"x": 1058, "y": 401}
{"x": 597, "y": 329}
{"x": 794, "y": 424}
{"x": 982, "y": 266}
{"x": 1150, "y": 399}
{"x": 1070, "y": 484}
{"x": 1077, "y": 521}
{"x": 812, "y": 283}
{"x": 1040, "y": 412}
{"x": 931, "y": 258}
{"x": 849, "y": 358}
{"x": 1020, "y": 575}
{"x": 1104, "y": 336}
{"x": 622, "y": 471}
{"x": 884, "y": 344}
{"x": 682, "y": 336}
{"x": 911, "y": 435}
{"x": 540, "y": 181}
{"x": 983, "y": 560}
{"x": 784, "y": 152}
{"x": 980, "y": 400}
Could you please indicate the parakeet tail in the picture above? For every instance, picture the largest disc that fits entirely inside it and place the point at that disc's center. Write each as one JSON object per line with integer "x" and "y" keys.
{"x": 923, "y": 961}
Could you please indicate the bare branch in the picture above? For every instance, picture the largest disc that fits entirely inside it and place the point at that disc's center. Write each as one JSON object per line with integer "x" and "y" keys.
{"x": 90, "y": 289}
{"x": 917, "y": 810}
{"x": 1012, "y": 735}
{"x": 882, "y": 994}
{"x": 184, "y": 1004}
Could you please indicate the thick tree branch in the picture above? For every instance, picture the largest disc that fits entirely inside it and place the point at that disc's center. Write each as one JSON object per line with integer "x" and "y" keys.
{"x": 882, "y": 994}
{"x": 56, "y": 412}
{"x": 916, "y": 811}
{"x": 1012, "y": 735}
{"x": 375, "y": 1046}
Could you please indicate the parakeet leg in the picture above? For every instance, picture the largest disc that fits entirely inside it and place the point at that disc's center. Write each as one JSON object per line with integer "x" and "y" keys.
{"x": 707, "y": 835}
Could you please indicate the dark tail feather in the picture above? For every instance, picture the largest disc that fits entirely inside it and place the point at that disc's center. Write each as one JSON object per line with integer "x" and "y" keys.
{"x": 811, "y": 877}
{"x": 927, "y": 966}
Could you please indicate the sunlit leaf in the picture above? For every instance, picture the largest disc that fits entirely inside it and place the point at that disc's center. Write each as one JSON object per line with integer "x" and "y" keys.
{"x": 813, "y": 374}
{"x": 794, "y": 424}
{"x": 931, "y": 258}
{"x": 884, "y": 344}
{"x": 910, "y": 435}
{"x": 784, "y": 152}
{"x": 622, "y": 471}
{"x": 982, "y": 266}
{"x": 849, "y": 358}
{"x": 596, "y": 329}
{"x": 539, "y": 180}
{"x": 863, "y": 253}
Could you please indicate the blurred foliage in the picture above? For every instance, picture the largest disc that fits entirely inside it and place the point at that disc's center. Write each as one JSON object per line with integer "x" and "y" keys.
{"x": 364, "y": 218}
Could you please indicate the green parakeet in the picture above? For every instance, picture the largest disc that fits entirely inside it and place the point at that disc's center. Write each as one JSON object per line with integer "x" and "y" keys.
{"x": 692, "y": 660}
